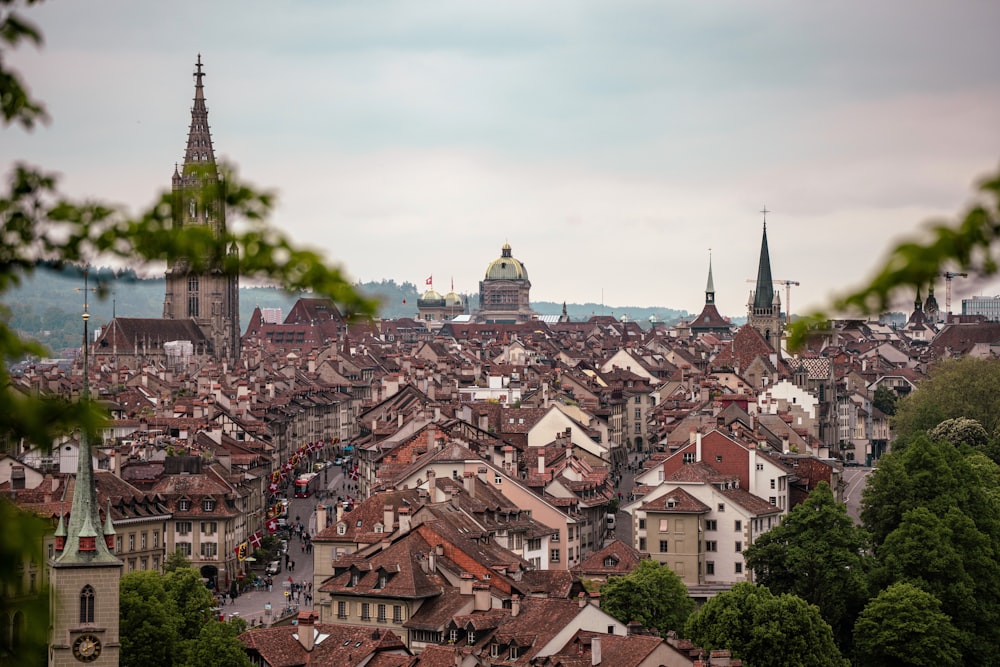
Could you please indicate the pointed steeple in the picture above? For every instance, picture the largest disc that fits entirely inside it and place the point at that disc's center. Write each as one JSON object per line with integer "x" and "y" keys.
{"x": 710, "y": 287}
{"x": 84, "y": 539}
{"x": 199, "y": 146}
{"x": 763, "y": 296}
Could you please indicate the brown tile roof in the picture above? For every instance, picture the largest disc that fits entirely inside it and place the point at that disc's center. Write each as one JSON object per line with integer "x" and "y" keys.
{"x": 337, "y": 645}
{"x": 677, "y": 500}
{"x": 624, "y": 557}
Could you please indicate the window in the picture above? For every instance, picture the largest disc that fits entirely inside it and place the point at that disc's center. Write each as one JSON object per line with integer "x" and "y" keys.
{"x": 381, "y": 613}
{"x": 366, "y": 613}
{"x": 688, "y": 457}
{"x": 184, "y": 548}
{"x": 209, "y": 549}
{"x": 498, "y": 478}
{"x": 156, "y": 563}
{"x": 397, "y": 613}
{"x": 555, "y": 537}
{"x": 642, "y": 524}
{"x": 494, "y": 650}
{"x": 156, "y": 539}
{"x": 453, "y": 635}
{"x": 737, "y": 525}
{"x": 183, "y": 505}
{"x": 772, "y": 483}
{"x": 87, "y": 604}
{"x": 663, "y": 546}
{"x": 382, "y": 579}
{"x": 722, "y": 507}
{"x": 534, "y": 544}
{"x": 710, "y": 524}
{"x": 554, "y": 556}
{"x": 709, "y": 567}
{"x": 718, "y": 458}
{"x": 739, "y": 547}
{"x": 208, "y": 505}
{"x": 118, "y": 544}
{"x": 142, "y": 541}
{"x": 193, "y": 296}
{"x": 353, "y": 580}
{"x": 513, "y": 654}
{"x": 739, "y": 568}
{"x": 144, "y": 563}
{"x": 209, "y": 527}
{"x": 638, "y": 428}
{"x": 664, "y": 525}
{"x": 183, "y": 527}
{"x": 711, "y": 545}
{"x": 471, "y": 637}
{"x": 642, "y": 544}
{"x": 760, "y": 466}
{"x": 341, "y": 528}
{"x": 772, "y": 500}
{"x": 341, "y": 609}
{"x": 131, "y": 542}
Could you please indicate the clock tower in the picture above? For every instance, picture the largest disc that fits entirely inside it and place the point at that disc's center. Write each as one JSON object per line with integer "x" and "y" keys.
{"x": 84, "y": 573}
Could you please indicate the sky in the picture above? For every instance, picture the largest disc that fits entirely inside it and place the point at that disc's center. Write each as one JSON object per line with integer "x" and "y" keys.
{"x": 615, "y": 146}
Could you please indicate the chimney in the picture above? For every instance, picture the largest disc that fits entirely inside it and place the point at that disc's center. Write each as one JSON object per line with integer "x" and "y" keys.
{"x": 697, "y": 445}
{"x": 307, "y": 632}
{"x": 320, "y": 517}
{"x": 388, "y": 518}
{"x": 469, "y": 480}
{"x": 753, "y": 468}
{"x": 432, "y": 485}
{"x": 784, "y": 444}
{"x": 595, "y": 650}
{"x": 691, "y": 436}
{"x": 482, "y": 597}
{"x": 431, "y": 437}
{"x": 515, "y": 605}
{"x": 465, "y": 583}
{"x": 581, "y": 599}
{"x": 508, "y": 457}
{"x": 541, "y": 464}
{"x": 340, "y": 512}
{"x": 404, "y": 519}
{"x": 431, "y": 562}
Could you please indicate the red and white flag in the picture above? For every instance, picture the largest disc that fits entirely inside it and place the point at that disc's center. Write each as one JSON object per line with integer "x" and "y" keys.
{"x": 272, "y": 526}
{"x": 255, "y": 540}
{"x": 354, "y": 473}
{"x": 430, "y": 280}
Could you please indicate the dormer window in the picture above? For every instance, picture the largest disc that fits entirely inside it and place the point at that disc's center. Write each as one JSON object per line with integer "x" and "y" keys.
{"x": 355, "y": 576}
{"x": 341, "y": 528}
{"x": 610, "y": 561}
{"x": 494, "y": 650}
{"x": 208, "y": 505}
{"x": 183, "y": 505}
{"x": 472, "y": 636}
{"x": 379, "y": 528}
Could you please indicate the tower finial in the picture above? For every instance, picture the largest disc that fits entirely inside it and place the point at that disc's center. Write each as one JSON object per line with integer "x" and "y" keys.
{"x": 764, "y": 212}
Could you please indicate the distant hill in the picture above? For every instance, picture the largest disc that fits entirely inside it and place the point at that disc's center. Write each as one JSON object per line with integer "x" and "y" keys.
{"x": 47, "y": 305}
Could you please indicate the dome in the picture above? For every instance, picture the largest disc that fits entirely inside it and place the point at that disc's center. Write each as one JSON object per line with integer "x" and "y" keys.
{"x": 506, "y": 267}
{"x": 430, "y": 299}
{"x": 453, "y": 299}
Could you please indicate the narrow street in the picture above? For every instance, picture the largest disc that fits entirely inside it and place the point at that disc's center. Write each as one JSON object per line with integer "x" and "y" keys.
{"x": 856, "y": 480}
{"x": 262, "y": 606}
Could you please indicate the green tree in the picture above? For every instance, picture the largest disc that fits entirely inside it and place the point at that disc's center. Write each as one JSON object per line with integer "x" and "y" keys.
{"x": 818, "y": 554}
{"x": 885, "y": 400}
{"x": 965, "y": 387}
{"x": 191, "y": 600}
{"x": 904, "y": 625}
{"x": 218, "y": 644}
{"x": 651, "y": 594}
{"x": 765, "y": 630}
{"x": 149, "y": 626}
{"x": 956, "y": 563}
{"x": 175, "y": 561}
{"x": 934, "y": 475}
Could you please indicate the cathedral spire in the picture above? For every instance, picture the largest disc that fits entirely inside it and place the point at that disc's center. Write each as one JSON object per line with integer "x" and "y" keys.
{"x": 764, "y": 294}
{"x": 199, "y": 146}
{"x": 710, "y": 287}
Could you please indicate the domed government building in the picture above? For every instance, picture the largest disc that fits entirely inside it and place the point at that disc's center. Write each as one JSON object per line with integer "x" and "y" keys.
{"x": 432, "y": 307}
{"x": 504, "y": 292}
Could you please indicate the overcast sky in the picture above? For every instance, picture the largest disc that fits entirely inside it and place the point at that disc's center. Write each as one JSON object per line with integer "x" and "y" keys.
{"x": 612, "y": 144}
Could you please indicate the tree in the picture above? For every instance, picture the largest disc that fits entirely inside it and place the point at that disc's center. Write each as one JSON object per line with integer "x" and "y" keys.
{"x": 191, "y": 599}
{"x": 42, "y": 228}
{"x": 965, "y": 387}
{"x": 175, "y": 561}
{"x": 148, "y": 623}
{"x": 764, "y": 630}
{"x": 949, "y": 558}
{"x": 934, "y": 475}
{"x": 904, "y": 625}
{"x": 218, "y": 644}
{"x": 885, "y": 400}
{"x": 818, "y": 554}
{"x": 651, "y": 594}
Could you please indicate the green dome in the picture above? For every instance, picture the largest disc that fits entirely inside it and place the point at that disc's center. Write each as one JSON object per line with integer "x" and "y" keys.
{"x": 506, "y": 267}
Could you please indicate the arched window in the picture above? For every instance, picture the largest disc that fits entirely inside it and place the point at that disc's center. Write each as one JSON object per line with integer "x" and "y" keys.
{"x": 87, "y": 604}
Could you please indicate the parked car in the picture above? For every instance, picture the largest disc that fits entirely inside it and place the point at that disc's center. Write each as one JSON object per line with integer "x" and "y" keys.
{"x": 338, "y": 461}
{"x": 274, "y": 567}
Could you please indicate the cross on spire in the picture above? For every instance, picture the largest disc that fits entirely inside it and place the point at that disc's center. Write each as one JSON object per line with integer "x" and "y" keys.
{"x": 764, "y": 211}
{"x": 198, "y": 73}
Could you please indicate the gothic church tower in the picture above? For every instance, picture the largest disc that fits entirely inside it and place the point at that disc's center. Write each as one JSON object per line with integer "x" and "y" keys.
{"x": 764, "y": 306}
{"x": 84, "y": 573}
{"x": 211, "y": 297}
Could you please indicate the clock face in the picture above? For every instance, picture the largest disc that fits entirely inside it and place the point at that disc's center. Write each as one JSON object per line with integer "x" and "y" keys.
{"x": 86, "y": 648}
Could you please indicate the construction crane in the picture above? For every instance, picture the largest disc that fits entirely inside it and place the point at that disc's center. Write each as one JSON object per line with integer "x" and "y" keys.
{"x": 788, "y": 295}
{"x": 948, "y": 275}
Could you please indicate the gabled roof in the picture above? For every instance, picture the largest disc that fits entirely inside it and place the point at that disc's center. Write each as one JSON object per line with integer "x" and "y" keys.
{"x": 336, "y": 645}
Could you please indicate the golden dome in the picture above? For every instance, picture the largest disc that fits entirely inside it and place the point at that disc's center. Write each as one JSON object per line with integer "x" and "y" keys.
{"x": 506, "y": 267}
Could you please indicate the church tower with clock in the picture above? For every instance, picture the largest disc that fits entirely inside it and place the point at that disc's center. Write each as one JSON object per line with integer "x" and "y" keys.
{"x": 208, "y": 293}
{"x": 84, "y": 572}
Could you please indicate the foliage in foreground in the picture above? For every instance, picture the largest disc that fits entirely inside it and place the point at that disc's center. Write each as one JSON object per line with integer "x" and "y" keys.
{"x": 904, "y": 625}
{"x": 651, "y": 594}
